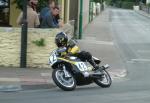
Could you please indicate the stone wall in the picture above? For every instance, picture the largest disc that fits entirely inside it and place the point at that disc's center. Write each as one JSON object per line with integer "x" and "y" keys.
{"x": 10, "y": 41}
{"x": 9, "y": 47}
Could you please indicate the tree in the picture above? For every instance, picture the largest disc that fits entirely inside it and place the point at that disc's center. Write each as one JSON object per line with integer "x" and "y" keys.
{"x": 100, "y": 1}
{"x": 41, "y": 4}
{"x": 121, "y": 1}
{"x": 144, "y": 1}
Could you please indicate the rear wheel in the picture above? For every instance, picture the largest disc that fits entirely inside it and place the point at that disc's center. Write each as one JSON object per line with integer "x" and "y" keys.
{"x": 105, "y": 81}
{"x": 65, "y": 83}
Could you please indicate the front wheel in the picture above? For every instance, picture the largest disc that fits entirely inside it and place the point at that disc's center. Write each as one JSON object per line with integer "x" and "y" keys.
{"x": 65, "y": 83}
{"x": 105, "y": 81}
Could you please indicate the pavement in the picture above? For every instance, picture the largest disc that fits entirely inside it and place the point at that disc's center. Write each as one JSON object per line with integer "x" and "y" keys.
{"x": 143, "y": 13}
{"x": 16, "y": 79}
{"x": 100, "y": 43}
{"x": 99, "y": 40}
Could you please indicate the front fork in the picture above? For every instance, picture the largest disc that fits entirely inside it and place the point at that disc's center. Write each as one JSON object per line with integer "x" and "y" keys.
{"x": 67, "y": 75}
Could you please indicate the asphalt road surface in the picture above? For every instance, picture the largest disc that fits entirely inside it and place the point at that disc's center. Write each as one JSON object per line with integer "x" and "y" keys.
{"x": 131, "y": 33}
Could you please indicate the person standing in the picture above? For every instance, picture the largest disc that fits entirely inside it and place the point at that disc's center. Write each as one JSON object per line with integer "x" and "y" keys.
{"x": 56, "y": 16}
{"x": 32, "y": 16}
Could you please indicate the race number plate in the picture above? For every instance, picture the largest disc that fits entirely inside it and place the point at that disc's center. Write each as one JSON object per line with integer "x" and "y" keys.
{"x": 53, "y": 58}
{"x": 81, "y": 66}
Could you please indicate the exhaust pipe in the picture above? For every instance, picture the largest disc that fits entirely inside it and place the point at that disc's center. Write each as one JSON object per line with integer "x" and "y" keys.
{"x": 96, "y": 75}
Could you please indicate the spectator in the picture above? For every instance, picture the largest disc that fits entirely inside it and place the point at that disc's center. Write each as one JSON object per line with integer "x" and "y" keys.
{"x": 56, "y": 15}
{"x": 50, "y": 20}
{"x": 32, "y": 16}
{"x": 51, "y": 5}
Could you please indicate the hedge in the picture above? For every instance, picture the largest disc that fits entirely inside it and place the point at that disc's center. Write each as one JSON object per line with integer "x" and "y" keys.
{"x": 127, "y": 5}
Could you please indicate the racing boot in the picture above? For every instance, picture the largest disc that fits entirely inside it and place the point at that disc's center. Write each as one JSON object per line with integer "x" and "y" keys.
{"x": 96, "y": 67}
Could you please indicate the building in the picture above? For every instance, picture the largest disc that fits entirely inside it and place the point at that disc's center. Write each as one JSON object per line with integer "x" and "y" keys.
{"x": 78, "y": 10}
{"x": 70, "y": 10}
{"x": 9, "y": 12}
{"x": 147, "y": 1}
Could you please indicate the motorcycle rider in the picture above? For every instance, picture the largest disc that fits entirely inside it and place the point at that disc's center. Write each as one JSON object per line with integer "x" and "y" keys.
{"x": 69, "y": 47}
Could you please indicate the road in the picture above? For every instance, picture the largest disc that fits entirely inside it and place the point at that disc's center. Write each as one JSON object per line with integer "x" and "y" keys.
{"x": 130, "y": 32}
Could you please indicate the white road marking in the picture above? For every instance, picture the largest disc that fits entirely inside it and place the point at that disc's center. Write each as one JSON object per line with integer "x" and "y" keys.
{"x": 10, "y": 88}
{"x": 104, "y": 42}
{"x": 143, "y": 51}
{"x": 118, "y": 74}
{"x": 129, "y": 61}
{"x": 140, "y": 60}
{"x": 93, "y": 40}
{"x": 98, "y": 42}
{"x": 45, "y": 74}
{"x": 9, "y": 79}
{"x": 47, "y": 77}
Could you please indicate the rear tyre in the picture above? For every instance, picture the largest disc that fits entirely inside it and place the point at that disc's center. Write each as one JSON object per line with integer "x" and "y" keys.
{"x": 105, "y": 81}
{"x": 65, "y": 83}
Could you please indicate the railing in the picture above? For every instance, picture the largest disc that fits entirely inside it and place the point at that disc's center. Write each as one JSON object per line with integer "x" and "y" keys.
{"x": 145, "y": 8}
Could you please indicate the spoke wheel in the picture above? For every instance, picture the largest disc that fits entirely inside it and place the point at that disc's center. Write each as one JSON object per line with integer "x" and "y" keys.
{"x": 105, "y": 81}
{"x": 65, "y": 83}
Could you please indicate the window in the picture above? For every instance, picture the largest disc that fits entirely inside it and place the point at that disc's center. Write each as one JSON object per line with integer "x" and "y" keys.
{"x": 3, "y": 3}
{"x": 4, "y": 12}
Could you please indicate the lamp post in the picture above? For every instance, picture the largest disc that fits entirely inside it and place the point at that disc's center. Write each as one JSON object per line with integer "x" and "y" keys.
{"x": 102, "y": 5}
{"x": 81, "y": 19}
{"x": 24, "y": 31}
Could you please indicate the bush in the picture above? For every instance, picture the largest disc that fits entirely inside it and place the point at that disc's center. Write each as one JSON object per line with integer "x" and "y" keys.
{"x": 127, "y": 5}
{"x": 148, "y": 4}
{"x": 118, "y": 4}
{"x": 109, "y": 2}
{"x": 39, "y": 43}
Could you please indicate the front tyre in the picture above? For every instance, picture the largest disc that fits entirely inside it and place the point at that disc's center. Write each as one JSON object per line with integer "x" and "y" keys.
{"x": 65, "y": 83}
{"x": 105, "y": 81}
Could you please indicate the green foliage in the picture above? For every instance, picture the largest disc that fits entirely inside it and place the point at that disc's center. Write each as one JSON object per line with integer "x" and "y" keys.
{"x": 118, "y": 3}
{"x": 148, "y": 4}
{"x": 127, "y": 5}
{"x": 40, "y": 43}
{"x": 100, "y": 1}
{"x": 108, "y": 2}
{"x": 19, "y": 3}
{"x": 121, "y": 1}
{"x": 41, "y": 4}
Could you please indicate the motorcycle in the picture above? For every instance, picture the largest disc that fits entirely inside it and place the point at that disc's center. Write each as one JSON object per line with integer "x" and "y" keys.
{"x": 70, "y": 71}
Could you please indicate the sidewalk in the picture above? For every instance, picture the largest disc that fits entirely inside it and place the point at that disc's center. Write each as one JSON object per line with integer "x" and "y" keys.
{"x": 97, "y": 39}
{"x": 143, "y": 13}
{"x": 16, "y": 79}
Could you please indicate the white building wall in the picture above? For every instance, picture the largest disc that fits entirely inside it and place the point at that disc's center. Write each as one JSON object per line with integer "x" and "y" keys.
{"x": 85, "y": 12}
{"x": 147, "y": 1}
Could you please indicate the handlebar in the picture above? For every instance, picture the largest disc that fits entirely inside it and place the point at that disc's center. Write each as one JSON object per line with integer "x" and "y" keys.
{"x": 60, "y": 50}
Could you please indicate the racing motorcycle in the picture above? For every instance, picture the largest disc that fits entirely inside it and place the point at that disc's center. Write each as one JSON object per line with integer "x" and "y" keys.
{"x": 70, "y": 71}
